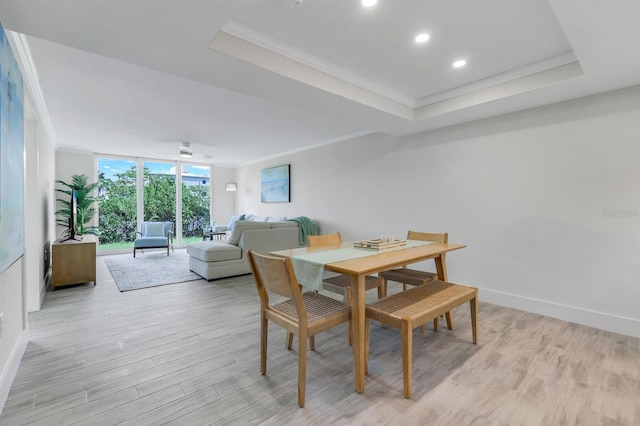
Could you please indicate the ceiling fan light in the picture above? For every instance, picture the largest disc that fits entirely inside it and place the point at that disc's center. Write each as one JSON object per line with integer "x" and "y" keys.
{"x": 185, "y": 150}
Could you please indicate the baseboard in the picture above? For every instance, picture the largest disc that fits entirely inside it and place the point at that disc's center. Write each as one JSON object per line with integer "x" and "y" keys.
{"x": 11, "y": 369}
{"x": 608, "y": 322}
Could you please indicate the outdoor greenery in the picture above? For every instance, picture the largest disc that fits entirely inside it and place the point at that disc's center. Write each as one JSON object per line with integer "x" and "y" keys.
{"x": 85, "y": 207}
{"x": 118, "y": 205}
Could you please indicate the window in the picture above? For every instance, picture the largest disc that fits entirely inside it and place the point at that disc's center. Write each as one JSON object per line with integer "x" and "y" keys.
{"x": 134, "y": 190}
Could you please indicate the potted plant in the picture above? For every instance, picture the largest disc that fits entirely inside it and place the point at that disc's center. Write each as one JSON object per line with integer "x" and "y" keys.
{"x": 85, "y": 204}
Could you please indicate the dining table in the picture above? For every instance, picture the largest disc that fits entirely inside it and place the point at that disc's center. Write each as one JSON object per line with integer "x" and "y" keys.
{"x": 365, "y": 263}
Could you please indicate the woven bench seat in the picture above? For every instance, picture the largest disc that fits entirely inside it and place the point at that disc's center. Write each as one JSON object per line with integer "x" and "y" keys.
{"x": 338, "y": 283}
{"x": 414, "y": 307}
{"x": 409, "y": 276}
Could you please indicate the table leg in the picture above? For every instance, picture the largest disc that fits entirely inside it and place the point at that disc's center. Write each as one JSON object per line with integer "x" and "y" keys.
{"x": 441, "y": 268}
{"x": 358, "y": 321}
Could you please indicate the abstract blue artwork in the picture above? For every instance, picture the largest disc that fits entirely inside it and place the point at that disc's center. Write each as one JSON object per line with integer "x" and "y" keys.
{"x": 274, "y": 186}
{"x": 11, "y": 157}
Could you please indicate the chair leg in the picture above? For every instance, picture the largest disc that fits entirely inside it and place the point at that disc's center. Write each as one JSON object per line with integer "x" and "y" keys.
{"x": 367, "y": 330}
{"x": 474, "y": 319}
{"x": 383, "y": 288}
{"x": 407, "y": 356}
{"x": 289, "y": 341}
{"x": 382, "y": 293}
{"x": 449, "y": 319}
{"x": 346, "y": 298}
{"x": 302, "y": 366}
{"x": 134, "y": 252}
{"x": 263, "y": 344}
{"x": 436, "y": 324}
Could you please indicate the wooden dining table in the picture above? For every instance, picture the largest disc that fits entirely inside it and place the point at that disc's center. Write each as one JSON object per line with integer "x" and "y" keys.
{"x": 358, "y": 268}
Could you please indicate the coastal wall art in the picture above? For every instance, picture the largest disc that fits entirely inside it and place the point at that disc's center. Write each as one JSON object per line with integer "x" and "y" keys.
{"x": 275, "y": 184}
{"x": 11, "y": 157}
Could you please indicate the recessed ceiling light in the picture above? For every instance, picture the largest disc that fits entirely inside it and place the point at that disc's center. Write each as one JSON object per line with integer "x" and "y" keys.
{"x": 421, "y": 38}
{"x": 369, "y": 3}
{"x": 459, "y": 63}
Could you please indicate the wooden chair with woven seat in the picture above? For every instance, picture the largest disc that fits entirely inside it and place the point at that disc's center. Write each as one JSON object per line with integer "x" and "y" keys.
{"x": 305, "y": 314}
{"x": 341, "y": 284}
{"x": 415, "y": 277}
{"x": 409, "y": 309}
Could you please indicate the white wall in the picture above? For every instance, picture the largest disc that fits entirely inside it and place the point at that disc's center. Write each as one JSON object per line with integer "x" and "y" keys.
{"x": 23, "y": 285}
{"x": 39, "y": 211}
{"x": 14, "y": 336}
{"x": 547, "y": 201}
{"x": 223, "y": 201}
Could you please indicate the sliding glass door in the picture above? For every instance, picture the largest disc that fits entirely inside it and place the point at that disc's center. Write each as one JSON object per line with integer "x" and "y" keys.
{"x": 196, "y": 196}
{"x": 159, "y": 192}
{"x": 133, "y": 191}
{"x": 117, "y": 218}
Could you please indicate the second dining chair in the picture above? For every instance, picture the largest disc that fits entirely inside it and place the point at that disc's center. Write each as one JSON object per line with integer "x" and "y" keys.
{"x": 305, "y": 314}
{"x": 414, "y": 277}
{"x": 341, "y": 284}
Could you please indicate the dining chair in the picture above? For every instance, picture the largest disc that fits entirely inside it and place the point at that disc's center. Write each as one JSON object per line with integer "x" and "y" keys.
{"x": 341, "y": 284}
{"x": 304, "y": 314}
{"x": 414, "y": 277}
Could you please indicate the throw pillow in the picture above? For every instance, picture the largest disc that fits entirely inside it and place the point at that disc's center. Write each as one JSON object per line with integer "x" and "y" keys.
{"x": 233, "y": 220}
{"x": 155, "y": 229}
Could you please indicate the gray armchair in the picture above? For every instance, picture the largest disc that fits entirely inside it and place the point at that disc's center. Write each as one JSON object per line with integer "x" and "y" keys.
{"x": 154, "y": 235}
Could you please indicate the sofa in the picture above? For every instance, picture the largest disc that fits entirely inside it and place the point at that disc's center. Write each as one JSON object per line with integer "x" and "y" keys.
{"x": 220, "y": 259}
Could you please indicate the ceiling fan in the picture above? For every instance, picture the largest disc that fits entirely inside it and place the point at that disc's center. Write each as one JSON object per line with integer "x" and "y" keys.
{"x": 185, "y": 151}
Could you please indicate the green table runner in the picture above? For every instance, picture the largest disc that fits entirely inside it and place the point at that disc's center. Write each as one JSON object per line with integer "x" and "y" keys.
{"x": 309, "y": 267}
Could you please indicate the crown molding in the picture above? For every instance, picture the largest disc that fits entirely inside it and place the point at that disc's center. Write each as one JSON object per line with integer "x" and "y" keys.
{"x": 20, "y": 46}
{"x": 264, "y": 41}
{"x": 499, "y": 79}
{"x": 331, "y": 141}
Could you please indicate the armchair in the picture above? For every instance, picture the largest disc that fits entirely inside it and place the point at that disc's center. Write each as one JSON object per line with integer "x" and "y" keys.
{"x": 154, "y": 235}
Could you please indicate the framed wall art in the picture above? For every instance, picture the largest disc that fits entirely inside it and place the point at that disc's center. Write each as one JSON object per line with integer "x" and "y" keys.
{"x": 275, "y": 184}
{"x": 11, "y": 157}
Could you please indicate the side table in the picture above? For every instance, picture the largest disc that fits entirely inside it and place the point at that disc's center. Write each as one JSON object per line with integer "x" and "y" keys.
{"x": 73, "y": 262}
{"x": 213, "y": 235}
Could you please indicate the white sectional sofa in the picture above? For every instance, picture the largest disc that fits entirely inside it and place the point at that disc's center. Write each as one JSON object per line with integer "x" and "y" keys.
{"x": 219, "y": 259}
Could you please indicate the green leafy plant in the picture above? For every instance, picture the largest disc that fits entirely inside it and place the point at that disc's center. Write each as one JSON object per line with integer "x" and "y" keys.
{"x": 85, "y": 200}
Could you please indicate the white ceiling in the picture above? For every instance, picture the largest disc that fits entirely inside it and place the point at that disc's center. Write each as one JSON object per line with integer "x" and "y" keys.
{"x": 247, "y": 80}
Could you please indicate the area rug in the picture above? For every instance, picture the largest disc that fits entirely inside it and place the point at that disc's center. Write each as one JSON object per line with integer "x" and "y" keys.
{"x": 149, "y": 269}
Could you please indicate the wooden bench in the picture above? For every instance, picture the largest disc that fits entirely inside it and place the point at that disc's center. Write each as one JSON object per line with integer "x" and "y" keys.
{"x": 414, "y": 307}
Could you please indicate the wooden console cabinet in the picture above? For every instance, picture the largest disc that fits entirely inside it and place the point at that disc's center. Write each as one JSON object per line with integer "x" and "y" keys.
{"x": 73, "y": 262}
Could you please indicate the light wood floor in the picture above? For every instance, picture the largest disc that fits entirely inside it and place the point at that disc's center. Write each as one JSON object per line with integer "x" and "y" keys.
{"x": 188, "y": 354}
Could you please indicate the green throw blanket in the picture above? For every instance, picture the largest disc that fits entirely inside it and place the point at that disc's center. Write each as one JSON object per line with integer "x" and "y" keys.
{"x": 306, "y": 227}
